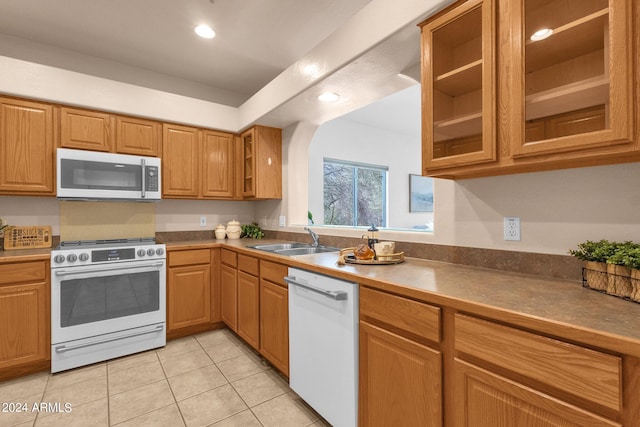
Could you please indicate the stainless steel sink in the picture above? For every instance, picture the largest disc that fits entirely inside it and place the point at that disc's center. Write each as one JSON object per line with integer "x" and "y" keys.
{"x": 279, "y": 246}
{"x": 291, "y": 249}
{"x": 307, "y": 251}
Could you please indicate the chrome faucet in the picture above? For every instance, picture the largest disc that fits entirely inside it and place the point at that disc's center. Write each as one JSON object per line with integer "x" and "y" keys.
{"x": 314, "y": 236}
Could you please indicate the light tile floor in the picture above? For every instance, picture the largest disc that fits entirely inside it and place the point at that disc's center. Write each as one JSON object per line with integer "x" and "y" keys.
{"x": 210, "y": 379}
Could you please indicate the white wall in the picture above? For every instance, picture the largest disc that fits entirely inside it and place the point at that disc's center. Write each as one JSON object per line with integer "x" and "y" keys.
{"x": 347, "y": 140}
{"x": 558, "y": 209}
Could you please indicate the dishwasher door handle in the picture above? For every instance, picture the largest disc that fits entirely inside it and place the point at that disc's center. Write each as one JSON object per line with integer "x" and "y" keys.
{"x": 336, "y": 295}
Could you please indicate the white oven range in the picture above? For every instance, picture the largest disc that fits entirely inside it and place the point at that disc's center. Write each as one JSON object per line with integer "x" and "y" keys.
{"x": 108, "y": 299}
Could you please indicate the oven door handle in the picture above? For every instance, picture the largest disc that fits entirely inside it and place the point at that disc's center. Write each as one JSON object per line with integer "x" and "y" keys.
{"x": 105, "y": 269}
{"x": 64, "y": 348}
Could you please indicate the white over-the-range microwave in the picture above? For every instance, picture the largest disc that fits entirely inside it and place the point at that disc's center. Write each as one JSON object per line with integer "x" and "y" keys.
{"x": 92, "y": 175}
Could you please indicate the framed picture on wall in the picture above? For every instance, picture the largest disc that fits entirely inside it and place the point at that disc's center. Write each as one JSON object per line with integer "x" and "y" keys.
{"x": 420, "y": 193}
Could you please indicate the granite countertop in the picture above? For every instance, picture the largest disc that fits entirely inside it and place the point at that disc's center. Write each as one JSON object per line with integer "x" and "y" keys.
{"x": 556, "y": 307}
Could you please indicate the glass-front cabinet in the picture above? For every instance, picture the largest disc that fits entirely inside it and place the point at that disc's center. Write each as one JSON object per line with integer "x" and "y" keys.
{"x": 459, "y": 86}
{"x": 575, "y": 88}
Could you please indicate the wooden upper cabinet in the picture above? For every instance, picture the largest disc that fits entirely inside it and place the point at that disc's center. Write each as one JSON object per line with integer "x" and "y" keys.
{"x": 180, "y": 148}
{"x": 218, "y": 179}
{"x": 138, "y": 136}
{"x": 576, "y": 83}
{"x": 458, "y": 80}
{"x": 566, "y": 100}
{"x": 26, "y": 147}
{"x": 86, "y": 130}
{"x": 97, "y": 131}
{"x": 262, "y": 163}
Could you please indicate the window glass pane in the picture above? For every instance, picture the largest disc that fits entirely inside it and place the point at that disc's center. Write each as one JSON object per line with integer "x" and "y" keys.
{"x": 338, "y": 194}
{"x": 371, "y": 184}
{"x": 354, "y": 194}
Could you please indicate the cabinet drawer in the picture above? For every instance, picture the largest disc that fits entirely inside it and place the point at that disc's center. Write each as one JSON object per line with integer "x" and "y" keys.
{"x": 583, "y": 372}
{"x": 248, "y": 264}
{"x": 273, "y": 272}
{"x": 196, "y": 256}
{"x": 229, "y": 257}
{"x": 22, "y": 272}
{"x": 410, "y": 316}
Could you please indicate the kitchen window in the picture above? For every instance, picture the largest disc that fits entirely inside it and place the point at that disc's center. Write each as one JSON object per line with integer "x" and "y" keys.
{"x": 355, "y": 194}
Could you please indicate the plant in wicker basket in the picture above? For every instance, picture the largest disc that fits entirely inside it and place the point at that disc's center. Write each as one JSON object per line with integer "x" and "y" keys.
{"x": 595, "y": 255}
{"x": 619, "y": 270}
{"x": 630, "y": 258}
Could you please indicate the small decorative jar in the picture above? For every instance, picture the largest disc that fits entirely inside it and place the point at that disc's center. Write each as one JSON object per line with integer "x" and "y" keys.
{"x": 220, "y": 232}
{"x": 233, "y": 229}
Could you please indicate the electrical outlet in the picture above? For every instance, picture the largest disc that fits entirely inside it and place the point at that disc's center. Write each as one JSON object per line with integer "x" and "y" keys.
{"x": 511, "y": 228}
{"x": 282, "y": 221}
{"x": 203, "y": 221}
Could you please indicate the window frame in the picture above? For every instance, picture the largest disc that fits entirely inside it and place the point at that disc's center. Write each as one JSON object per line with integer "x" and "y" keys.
{"x": 356, "y": 166}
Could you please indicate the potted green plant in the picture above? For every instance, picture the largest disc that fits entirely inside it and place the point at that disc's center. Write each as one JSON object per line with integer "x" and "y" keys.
{"x": 595, "y": 255}
{"x": 3, "y": 227}
{"x": 252, "y": 231}
{"x": 619, "y": 270}
{"x": 630, "y": 259}
{"x": 633, "y": 261}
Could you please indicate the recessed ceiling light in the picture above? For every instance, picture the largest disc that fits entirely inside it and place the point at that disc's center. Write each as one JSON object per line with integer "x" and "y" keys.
{"x": 205, "y": 31}
{"x": 328, "y": 97}
{"x": 541, "y": 34}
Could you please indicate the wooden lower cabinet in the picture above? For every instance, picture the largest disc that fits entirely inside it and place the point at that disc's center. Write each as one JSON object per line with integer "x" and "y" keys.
{"x": 486, "y": 399}
{"x": 274, "y": 315}
{"x": 248, "y": 326}
{"x": 228, "y": 292}
{"x": 229, "y": 288}
{"x": 188, "y": 291}
{"x": 502, "y": 374}
{"x": 400, "y": 371}
{"x": 400, "y": 380}
{"x": 25, "y": 317}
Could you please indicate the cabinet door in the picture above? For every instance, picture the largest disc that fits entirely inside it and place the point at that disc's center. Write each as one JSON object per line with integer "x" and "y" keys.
{"x": 180, "y": 170}
{"x": 188, "y": 296}
{"x": 25, "y": 324}
{"x": 400, "y": 381}
{"x": 459, "y": 92}
{"x": 26, "y": 148}
{"x": 229, "y": 295}
{"x": 262, "y": 163}
{"x": 24, "y": 315}
{"x": 576, "y": 74}
{"x": 268, "y": 163}
{"x": 137, "y": 136}
{"x": 274, "y": 325}
{"x": 217, "y": 164}
{"x": 86, "y": 130}
{"x": 248, "y": 163}
{"x": 485, "y": 399}
{"x": 249, "y": 309}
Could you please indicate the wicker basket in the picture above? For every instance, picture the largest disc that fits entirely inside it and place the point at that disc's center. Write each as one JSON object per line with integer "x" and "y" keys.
{"x": 595, "y": 275}
{"x": 635, "y": 285}
{"x": 619, "y": 281}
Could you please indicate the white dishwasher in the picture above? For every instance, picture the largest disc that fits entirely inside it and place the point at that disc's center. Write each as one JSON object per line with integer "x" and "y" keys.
{"x": 323, "y": 344}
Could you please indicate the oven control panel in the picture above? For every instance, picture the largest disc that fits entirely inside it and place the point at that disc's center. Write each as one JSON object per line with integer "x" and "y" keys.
{"x": 88, "y": 256}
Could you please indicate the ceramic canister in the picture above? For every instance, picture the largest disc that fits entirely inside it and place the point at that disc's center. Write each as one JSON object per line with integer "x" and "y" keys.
{"x": 220, "y": 232}
{"x": 233, "y": 229}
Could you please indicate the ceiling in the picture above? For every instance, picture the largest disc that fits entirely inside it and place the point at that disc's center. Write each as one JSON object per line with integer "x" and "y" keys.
{"x": 151, "y": 43}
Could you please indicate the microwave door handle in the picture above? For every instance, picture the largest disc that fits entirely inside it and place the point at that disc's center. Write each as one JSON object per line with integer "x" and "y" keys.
{"x": 144, "y": 177}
